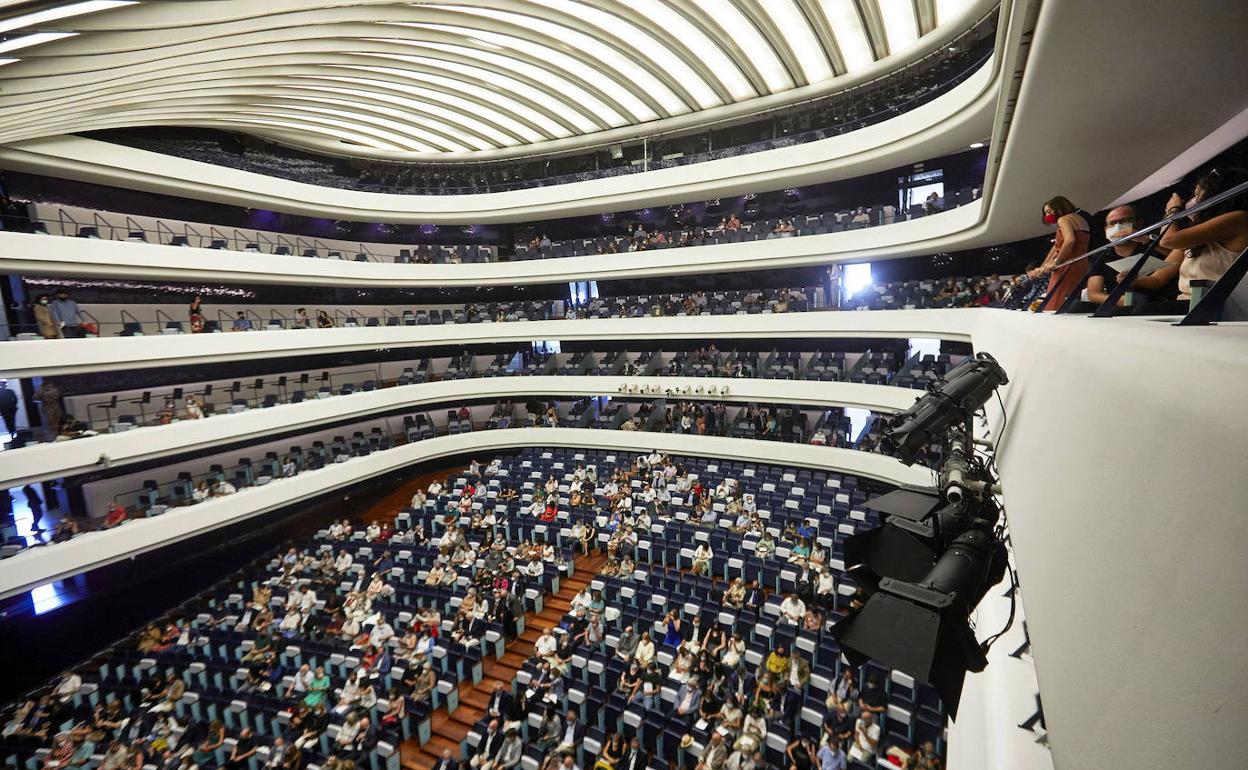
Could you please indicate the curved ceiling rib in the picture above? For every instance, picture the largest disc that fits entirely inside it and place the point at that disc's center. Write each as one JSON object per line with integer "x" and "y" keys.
{"x": 436, "y": 79}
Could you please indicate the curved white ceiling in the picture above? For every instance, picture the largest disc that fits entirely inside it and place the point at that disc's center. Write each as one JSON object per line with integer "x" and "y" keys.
{"x": 441, "y": 79}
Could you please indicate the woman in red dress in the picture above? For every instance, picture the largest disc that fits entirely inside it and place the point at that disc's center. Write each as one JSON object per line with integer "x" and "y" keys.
{"x": 1071, "y": 242}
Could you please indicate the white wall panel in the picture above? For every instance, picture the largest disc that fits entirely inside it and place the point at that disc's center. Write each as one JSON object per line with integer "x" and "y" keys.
{"x": 1123, "y": 464}
{"x": 98, "y": 258}
{"x": 48, "y": 357}
{"x": 54, "y": 460}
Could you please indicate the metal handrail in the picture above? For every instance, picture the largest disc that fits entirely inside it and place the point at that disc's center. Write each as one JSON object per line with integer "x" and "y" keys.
{"x": 1093, "y": 258}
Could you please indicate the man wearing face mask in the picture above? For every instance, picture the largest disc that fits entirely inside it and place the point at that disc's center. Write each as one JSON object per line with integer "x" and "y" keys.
{"x": 67, "y": 314}
{"x": 1160, "y": 285}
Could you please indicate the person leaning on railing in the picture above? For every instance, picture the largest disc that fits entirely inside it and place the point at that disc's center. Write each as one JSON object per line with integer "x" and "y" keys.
{"x": 1070, "y": 243}
{"x": 1204, "y": 248}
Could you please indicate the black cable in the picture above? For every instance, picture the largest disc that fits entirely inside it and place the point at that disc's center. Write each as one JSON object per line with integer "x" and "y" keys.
{"x": 1005, "y": 421}
{"x": 987, "y": 643}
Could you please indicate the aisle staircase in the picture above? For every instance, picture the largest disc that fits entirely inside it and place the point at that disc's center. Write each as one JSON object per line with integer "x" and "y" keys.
{"x": 450, "y": 729}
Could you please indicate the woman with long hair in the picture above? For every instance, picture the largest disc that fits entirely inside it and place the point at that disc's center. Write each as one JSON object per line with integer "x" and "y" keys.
{"x": 1070, "y": 242}
{"x": 1215, "y": 237}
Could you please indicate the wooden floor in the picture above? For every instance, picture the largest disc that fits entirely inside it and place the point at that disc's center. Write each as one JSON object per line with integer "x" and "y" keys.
{"x": 401, "y": 497}
{"x": 449, "y": 729}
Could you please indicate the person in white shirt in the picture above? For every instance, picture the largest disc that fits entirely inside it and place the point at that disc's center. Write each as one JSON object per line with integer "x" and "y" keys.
{"x": 383, "y": 632}
{"x": 546, "y": 645}
{"x": 290, "y": 622}
{"x": 866, "y": 739}
{"x": 825, "y": 585}
{"x": 435, "y": 488}
{"x": 644, "y": 653}
{"x": 299, "y": 681}
{"x": 792, "y": 609}
{"x": 702, "y": 560}
{"x": 582, "y": 599}
{"x": 223, "y": 488}
{"x": 343, "y": 562}
{"x": 70, "y": 684}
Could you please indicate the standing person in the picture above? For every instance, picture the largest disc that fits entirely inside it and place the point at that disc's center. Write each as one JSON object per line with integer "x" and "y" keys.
{"x": 35, "y": 502}
{"x": 49, "y": 329}
{"x": 195, "y": 313}
{"x": 301, "y": 319}
{"x": 67, "y": 315}
{"x": 8, "y": 408}
{"x": 1070, "y": 243}
{"x": 49, "y": 397}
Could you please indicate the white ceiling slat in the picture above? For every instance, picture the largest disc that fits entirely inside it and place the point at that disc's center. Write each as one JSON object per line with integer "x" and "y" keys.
{"x": 481, "y": 75}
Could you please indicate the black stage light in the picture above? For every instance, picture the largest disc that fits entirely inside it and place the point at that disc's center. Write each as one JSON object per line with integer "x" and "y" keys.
{"x": 916, "y": 529}
{"x": 950, "y": 402}
{"x": 922, "y": 627}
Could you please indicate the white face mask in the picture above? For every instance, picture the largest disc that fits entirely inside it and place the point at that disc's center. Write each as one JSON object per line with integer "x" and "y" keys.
{"x": 1118, "y": 230}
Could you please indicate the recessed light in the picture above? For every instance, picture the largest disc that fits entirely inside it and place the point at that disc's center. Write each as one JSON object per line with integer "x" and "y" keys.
{"x": 976, "y": 145}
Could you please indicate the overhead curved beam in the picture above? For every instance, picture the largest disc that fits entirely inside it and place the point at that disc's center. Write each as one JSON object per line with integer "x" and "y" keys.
{"x": 596, "y": 72}
{"x": 516, "y": 90}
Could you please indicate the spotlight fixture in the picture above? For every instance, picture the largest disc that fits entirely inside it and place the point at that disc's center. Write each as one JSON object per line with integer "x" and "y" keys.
{"x": 949, "y": 402}
{"x": 936, "y": 553}
{"x": 921, "y": 627}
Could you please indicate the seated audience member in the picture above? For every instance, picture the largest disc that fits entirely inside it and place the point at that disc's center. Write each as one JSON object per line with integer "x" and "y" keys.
{"x": 241, "y": 323}
{"x": 509, "y": 753}
{"x": 115, "y": 516}
{"x": 1160, "y": 285}
{"x": 872, "y": 698}
{"x": 801, "y": 755}
{"x": 832, "y": 757}
{"x": 866, "y": 740}
{"x": 792, "y": 609}
{"x": 491, "y": 741}
{"x": 702, "y": 559}
{"x": 715, "y": 755}
{"x": 1206, "y": 247}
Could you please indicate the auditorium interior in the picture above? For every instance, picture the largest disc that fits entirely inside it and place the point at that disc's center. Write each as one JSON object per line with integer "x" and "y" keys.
{"x": 680, "y": 384}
